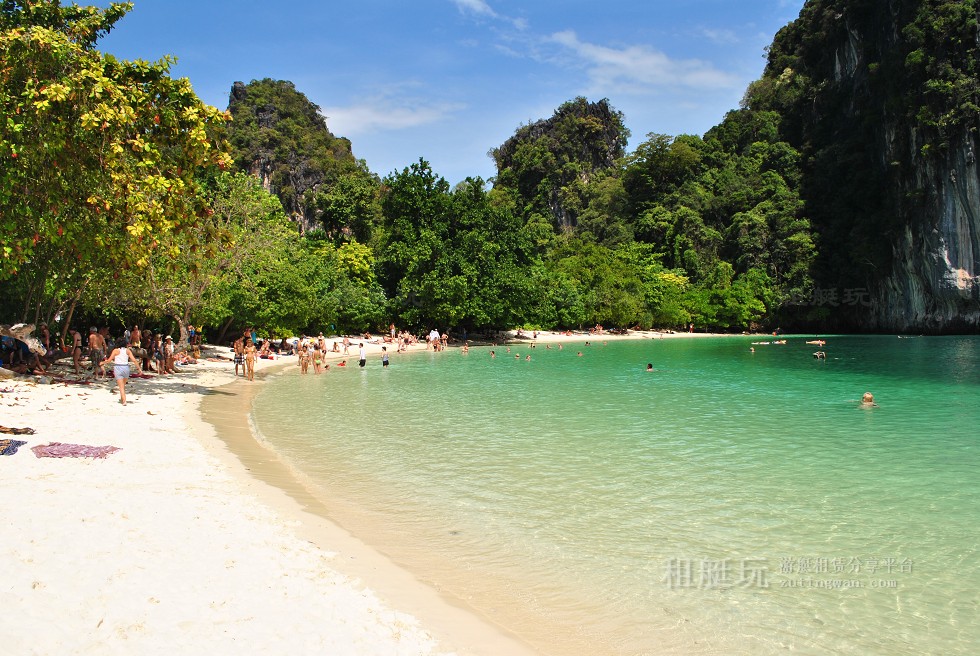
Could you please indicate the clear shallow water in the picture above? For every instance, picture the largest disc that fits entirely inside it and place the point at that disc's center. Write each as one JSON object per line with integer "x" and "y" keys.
{"x": 728, "y": 502}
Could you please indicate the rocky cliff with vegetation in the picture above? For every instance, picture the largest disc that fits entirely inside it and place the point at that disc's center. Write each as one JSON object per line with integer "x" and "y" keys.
{"x": 279, "y": 135}
{"x": 881, "y": 98}
{"x": 842, "y": 195}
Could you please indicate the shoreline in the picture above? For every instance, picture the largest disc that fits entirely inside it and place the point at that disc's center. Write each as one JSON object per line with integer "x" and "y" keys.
{"x": 308, "y": 503}
{"x": 176, "y": 540}
{"x": 276, "y": 484}
{"x": 168, "y": 544}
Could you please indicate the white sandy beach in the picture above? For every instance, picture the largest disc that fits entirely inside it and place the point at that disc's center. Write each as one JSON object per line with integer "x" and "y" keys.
{"x": 171, "y": 546}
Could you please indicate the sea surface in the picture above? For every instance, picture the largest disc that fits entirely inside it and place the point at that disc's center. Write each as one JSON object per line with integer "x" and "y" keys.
{"x": 728, "y": 502}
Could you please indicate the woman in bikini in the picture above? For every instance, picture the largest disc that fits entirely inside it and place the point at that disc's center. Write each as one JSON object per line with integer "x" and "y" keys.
{"x": 304, "y": 358}
{"x": 250, "y": 354}
{"x": 76, "y": 350}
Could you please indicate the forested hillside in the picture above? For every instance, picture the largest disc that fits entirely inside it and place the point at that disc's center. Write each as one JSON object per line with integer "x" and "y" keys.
{"x": 842, "y": 194}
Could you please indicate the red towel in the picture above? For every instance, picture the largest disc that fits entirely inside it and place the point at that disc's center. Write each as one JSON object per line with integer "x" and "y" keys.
{"x": 59, "y": 450}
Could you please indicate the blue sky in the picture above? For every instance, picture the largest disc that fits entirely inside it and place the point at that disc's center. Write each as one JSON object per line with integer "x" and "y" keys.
{"x": 448, "y": 80}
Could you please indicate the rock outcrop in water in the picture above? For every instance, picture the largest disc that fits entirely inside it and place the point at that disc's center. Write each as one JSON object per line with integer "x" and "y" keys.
{"x": 882, "y": 98}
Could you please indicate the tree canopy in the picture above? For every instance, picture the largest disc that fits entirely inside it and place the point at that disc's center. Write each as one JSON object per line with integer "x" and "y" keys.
{"x": 114, "y": 200}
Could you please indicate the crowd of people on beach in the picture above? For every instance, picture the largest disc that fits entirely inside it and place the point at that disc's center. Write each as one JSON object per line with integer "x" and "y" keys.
{"x": 140, "y": 352}
{"x": 135, "y": 353}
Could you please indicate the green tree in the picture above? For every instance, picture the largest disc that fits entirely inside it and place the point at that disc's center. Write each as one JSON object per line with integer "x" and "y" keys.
{"x": 453, "y": 258}
{"x": 99, "y": 157}
{"x": 243, "y": 240}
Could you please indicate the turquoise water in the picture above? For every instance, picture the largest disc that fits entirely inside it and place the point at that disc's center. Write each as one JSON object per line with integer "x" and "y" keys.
{"x": 727, "y": 503}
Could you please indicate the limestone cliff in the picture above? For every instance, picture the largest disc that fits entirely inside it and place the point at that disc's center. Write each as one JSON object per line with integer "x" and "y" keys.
{"x": 882, "y": 98}
{"x": 278, "y": 135}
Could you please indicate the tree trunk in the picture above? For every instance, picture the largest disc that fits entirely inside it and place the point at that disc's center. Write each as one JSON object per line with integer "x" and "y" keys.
{"x": 71, "y": 311}
{"x": 182, "y": 326}
{"x": 22, "y": 332}
{"x": 224, "y": 330}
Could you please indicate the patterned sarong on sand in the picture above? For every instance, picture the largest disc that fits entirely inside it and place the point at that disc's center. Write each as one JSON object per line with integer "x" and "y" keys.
{"x": 59, "y": 450}
{"x": 9, "y": 447}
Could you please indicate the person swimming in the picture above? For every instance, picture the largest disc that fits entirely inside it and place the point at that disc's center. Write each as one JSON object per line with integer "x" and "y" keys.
{"x": 868, "y": 400}
{"x": 649, "y": 366}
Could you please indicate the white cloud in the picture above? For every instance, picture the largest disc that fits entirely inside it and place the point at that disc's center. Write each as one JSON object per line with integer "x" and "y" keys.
{"x": 383, "y": 114}
{"x": 720, "y": 36}
{"x": 478, "y": 7}
{"x": 641, "y": 69}
{"x": 481, "y": 8}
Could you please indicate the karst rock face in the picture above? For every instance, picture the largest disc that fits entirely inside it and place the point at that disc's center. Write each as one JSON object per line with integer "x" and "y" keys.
{"x": 885, "y": 110}
{"x": 280, "y": 137}
{"x": 934, "y": 282}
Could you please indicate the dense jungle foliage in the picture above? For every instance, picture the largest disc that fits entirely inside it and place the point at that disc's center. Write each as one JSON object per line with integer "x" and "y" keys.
{"x": 125, "y": 198}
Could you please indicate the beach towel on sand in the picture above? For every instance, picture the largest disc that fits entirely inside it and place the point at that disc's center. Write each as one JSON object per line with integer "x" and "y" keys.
{"x": 59, "y": 450}
{"x": 9, "y": 447}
